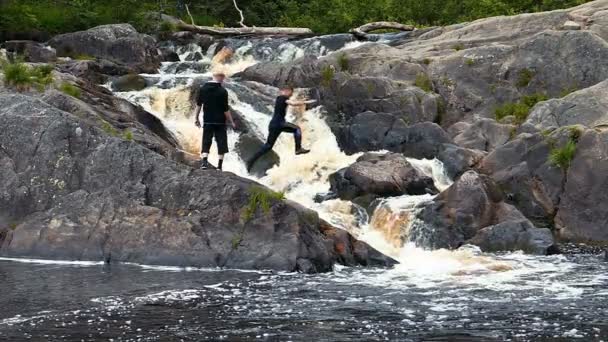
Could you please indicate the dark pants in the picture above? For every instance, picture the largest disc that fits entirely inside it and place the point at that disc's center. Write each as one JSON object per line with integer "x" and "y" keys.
{"x": 221, "y": 138}
{"x": 273, "y": 135}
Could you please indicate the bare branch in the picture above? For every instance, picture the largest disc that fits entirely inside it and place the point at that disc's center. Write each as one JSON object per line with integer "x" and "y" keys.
{"x": 242, "y": 22}
{"x": 190, "y": 14}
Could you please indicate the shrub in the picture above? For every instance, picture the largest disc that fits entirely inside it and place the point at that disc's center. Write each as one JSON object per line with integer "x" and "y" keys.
{"x": 423, "y": 82}
{"x": 22, "y": 77}
{"x": 260, "y": 198}
{"x": 343, "y": 62}
{"x": 327, "y": 75}
{"x": 524, "y": 78}
{"x": 562, "y": 157}
{"x": 70, "y": 89}
{"x": 519, "y": 110}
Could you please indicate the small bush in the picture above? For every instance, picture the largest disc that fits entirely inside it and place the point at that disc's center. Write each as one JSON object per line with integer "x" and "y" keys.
{"x": 70, "y": 89}
{"x": 128, "y": 135}
{"x": 423, "y": 82}
{"x": 524, "y": 78}
{"x": 343, "y": 62}
{"x": 327, "y": 75}
{"x": 519, "y": 110}
{"x": 458, "y": 47}
{"x": 562, "y": 157}
{"x": 260, "y": 198}
{"x": 22, "y": 77}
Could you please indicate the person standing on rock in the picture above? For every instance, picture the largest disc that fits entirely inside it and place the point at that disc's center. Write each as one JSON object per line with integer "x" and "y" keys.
{"x": 213, "y": 99}
{"x": 278, "y": 125}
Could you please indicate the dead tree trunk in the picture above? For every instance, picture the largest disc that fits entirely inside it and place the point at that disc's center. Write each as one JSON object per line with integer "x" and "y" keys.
{"x": 241, "y": 31}
{"x": 363, "y": 31}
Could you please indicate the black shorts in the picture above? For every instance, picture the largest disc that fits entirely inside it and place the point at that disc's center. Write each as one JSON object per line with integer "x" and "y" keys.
{"x": 221, "y": 138}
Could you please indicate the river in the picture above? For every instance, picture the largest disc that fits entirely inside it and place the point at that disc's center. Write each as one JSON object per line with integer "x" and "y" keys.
{"x": 461, "y": 295}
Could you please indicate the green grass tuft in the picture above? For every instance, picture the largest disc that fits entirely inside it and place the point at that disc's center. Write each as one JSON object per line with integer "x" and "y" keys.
{"x": 327, "y": 75}
{"x": 128, "y": 135}
{"x": 469, "y": 62}
{"x": 458, "y": 47}
{"x": 343, "y": 62}
{"x": 524, "y": 78}
{"x": 22, "y": 77}
{"x": 520, "y": 110}
{"x": 108, "y": 128}
{"x": 562, "y": 157}
{"x": 427, "y": 61}
{"x": 260, "y": 198}
{"x": 423, "y": 82}
{"x": 70, "y": 89}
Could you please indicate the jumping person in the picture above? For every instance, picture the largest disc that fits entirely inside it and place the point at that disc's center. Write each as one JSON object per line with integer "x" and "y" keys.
{"x": 278, "y": 125}
{"x": 213, "y": 98}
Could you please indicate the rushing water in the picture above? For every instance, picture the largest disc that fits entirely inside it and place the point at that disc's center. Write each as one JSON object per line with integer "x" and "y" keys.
{"x": 461, "y": 295}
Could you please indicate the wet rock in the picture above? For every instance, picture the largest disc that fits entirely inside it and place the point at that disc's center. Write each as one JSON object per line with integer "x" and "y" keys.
{"x": 457, "y": 160}
{"x": 187, "y": 68}
{"x": 131, "y": 82}
{"x": 169, "y": 55}
{"x": 118, "y": 43}
{"x": 93, "y": 196}
{"x": 94, "y": 71}
{"x": 248, "y": 145}
{"x": 382, "y": 175}
{"x": 30, "y": 51}
{"x": 515, "y": 236}
{"x": 460, "y": 213}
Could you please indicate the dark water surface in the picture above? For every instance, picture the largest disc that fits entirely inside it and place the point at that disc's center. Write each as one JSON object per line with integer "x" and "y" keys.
{"x": 536, "y": 299}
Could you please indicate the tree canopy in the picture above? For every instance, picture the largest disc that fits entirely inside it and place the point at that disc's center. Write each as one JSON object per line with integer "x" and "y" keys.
{"x": 323, "y": 16}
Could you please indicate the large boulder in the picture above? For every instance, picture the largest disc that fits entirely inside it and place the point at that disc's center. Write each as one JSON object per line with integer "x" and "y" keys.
{"x": 119, "y": 43}
{"x": 523, "y": 170}
{"x": 382, "y": 175}
{"x": 30, "y": 51}
{"x": 96, "y": 72}
{"x": 72, "y": 191}
{"x": 130, "y": 82}
{"x": 457, "y": 160}
{"x": 583, "y": 211}
{"x": 473, "y": 210}
{"x": 588, "y": 107}
{"x": 371, "y": 131}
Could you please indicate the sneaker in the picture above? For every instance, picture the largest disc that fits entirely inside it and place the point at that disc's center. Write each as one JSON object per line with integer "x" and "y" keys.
{"x": 205, "y": 165}
{"x": 302, "y": 151}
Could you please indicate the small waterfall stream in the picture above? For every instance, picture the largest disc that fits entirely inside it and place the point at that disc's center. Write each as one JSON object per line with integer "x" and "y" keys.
{"x": 301, "y": 177}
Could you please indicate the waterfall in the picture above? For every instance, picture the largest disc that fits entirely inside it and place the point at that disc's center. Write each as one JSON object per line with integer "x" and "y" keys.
{"x": 301, "y": 178}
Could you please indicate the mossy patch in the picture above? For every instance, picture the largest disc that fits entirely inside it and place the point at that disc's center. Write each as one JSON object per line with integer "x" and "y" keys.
{"x": 469, "y": 62}
{"x": 524, "y": 77}
{"x": 70, "y": 89}
{"x": 520, "y": 110}
{"x": 423, "y": 82}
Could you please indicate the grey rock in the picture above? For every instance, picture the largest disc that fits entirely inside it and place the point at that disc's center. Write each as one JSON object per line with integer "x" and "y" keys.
{"x": 582, "y": 211}
{"x": 461, "y": 212}
{"x": 30, "y": 51}
{"x": 97, "y": 197}
{"x": 130, "y": 82}
{"x": 515, "y": 236}
{"x": 381, "y": 175}
{"x": 248, "y": 145}
{"x": 485, "y": 135}
{"x": 457, "y": 160}
{"x": 119, "y": 43}
{"x": 588, "y": 107}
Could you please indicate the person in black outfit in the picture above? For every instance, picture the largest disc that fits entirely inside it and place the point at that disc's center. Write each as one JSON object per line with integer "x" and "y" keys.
{"x": 278, "y": 125}
{"x": 213, "y": 98}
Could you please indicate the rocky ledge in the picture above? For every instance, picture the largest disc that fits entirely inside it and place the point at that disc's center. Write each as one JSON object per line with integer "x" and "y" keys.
{"x": 71, "y": 190}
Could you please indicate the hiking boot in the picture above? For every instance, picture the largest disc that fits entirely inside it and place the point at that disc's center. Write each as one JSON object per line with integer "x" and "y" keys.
{"x": 302, "y": 151}
{"x": 205, "y": 165}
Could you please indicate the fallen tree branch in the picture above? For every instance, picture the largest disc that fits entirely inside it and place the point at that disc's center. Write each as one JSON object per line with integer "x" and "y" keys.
{"x": 238, "y": 31}
{"x": 363, "y": 31}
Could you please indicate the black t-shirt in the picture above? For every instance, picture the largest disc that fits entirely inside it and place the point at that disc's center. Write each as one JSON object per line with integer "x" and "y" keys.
{"x": 214, "y": 99}
{"x": 280, "y": 110}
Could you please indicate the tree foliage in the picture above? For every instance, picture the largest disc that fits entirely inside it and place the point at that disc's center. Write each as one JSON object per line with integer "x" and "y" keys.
{"x": 323, "y": 16}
